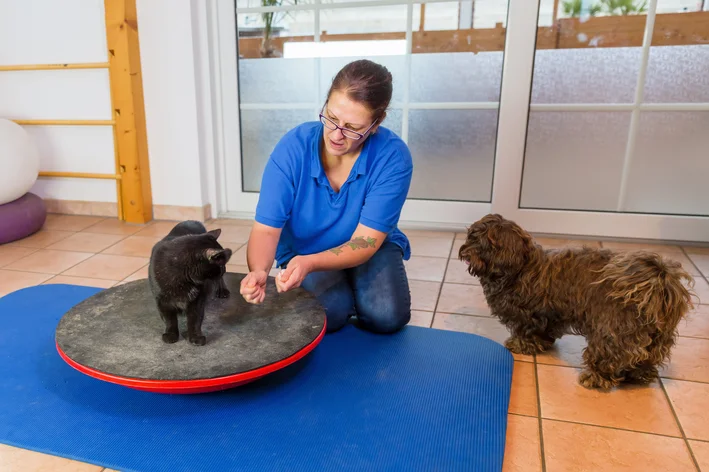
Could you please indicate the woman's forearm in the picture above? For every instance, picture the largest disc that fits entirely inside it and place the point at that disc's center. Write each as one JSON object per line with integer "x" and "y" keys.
{"x": 359, "y": 249}
{"x": 261, "y": 248}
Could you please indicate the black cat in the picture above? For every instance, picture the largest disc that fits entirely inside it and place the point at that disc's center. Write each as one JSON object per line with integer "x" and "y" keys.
{"x": 186, "y": 266}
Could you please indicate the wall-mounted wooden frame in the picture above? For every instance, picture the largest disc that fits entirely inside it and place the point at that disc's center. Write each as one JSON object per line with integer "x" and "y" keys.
{"x": 132, "y": 169}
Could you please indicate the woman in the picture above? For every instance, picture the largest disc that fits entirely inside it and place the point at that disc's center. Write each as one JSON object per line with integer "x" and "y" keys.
{"x": 331, "y": 196}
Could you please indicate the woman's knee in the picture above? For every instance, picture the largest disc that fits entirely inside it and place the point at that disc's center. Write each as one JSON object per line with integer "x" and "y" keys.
{"x": 382, "y": 294}
{"x": 335, "y": 295}
{"x": 384, "y": 319}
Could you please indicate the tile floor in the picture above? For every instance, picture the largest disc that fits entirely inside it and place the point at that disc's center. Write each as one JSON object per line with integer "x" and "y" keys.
{"x": 554, "y": 424}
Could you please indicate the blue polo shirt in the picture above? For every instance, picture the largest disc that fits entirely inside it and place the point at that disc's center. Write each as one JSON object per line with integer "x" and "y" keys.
{"x": 297, "y": 197}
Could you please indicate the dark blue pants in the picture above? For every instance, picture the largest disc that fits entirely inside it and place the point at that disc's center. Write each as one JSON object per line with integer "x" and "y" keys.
{"x": 376, "y": 292}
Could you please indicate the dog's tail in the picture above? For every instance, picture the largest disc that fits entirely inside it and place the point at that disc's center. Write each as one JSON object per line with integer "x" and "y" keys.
{"x": 653, "y": 284}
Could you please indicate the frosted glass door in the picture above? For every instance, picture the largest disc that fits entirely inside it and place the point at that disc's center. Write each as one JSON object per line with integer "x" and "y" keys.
{"x": 446, "y": 60}
{"x": 615, "y": 124}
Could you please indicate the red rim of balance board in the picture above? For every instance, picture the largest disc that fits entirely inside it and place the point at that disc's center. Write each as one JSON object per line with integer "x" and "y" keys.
{"x": 198, "y": 385}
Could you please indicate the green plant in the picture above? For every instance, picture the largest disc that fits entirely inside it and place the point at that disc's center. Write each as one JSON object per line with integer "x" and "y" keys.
{"x": 624, "y": 7}
{"x": 270, "y": 19}
{"x": 573, "y": 8}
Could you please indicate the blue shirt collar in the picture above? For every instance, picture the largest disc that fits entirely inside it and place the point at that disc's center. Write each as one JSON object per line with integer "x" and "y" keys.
{"x": 316, "y": 170}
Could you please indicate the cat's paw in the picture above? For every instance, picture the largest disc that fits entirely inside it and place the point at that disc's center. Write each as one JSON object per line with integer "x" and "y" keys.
{"x": 198, "y": 340}
{"x": 170, "y": 338}
{"x": 223, "y": 293}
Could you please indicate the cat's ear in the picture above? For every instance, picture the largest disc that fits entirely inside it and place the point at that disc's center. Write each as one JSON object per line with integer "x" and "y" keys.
{"x": 215, "y": 233}
{"x": 219, "y": 256}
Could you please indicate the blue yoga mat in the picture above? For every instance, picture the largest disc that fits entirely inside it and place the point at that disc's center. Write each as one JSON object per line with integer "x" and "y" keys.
{"x": 421, "y": 399}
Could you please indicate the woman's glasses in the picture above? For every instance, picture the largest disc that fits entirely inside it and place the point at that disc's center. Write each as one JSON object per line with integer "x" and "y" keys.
{"x": 347, "y": 133}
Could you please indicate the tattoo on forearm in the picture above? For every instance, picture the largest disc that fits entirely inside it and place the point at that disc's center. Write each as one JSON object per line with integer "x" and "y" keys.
{"x": 360, "y": 242}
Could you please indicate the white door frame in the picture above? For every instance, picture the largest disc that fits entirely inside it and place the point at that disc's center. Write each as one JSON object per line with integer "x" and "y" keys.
{"x": 520, "y": 46}
{"x": 512, "y": 135}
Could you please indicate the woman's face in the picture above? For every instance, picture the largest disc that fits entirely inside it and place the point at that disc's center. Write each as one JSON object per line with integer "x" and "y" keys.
{"x": 347, "y": 114}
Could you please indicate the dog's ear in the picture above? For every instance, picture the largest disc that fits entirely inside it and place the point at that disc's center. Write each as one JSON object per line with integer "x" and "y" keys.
{"x": 476, "y": 266}
{"x": 512, "y": 244}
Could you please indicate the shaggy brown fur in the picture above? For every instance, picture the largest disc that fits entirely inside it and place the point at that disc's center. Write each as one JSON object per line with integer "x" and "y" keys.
{"x": 626, "y": 305}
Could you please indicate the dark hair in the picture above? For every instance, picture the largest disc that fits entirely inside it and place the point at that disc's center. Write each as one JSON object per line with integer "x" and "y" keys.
{"x": 365, "y": 82}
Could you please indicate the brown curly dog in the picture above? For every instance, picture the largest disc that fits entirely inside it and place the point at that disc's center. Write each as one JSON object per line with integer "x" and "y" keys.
{"x": 626, "y": 305}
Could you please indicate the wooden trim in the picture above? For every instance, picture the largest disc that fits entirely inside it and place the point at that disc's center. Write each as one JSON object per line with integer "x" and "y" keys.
{"x": 613, "y": 31}
{"x": 64, "y": 122}
{"x": 81, "y": 175}
{"x": 86, "y": 65}
{"x": 128, "y": 110}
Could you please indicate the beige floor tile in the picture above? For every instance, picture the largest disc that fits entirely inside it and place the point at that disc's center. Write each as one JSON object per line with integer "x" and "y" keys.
{"x": 560, "y": 243}
{"x": 49, "y": 261}
{"x": 11, "y": 280}
{"x": 238, "y": 257}
{"x": 136, "y": 246}
{"x": 115, "y": 226}
{"x": 637, "y": 408}
{"x": 577, "y": 447}
{"x": 463, "y": 299}
{"x": 567, "y": 351}
{"x": 702, "y": 262}
{"x": 13, "y": 459}
{"x": 696, "y": 249}
{"x": 86, "y": 242}
{"x": 87, "y": 282}
{"x": 701, "y": 291}
{"x": 421, "y": 318}
{"x": 107, "y": 266}
{"x": 523, "y": 398}
{"x": 457, "y": 242}
{"x": 231, "y": 234}
{"x": 71, "y": 222}
{"x": 689, "y": 360}
{"x": 42, "y": 239}
{"x": 431, "y": 247}
{"x": 424, "y": 294}
{"x": 691, "y": 403}
{"x": 426, "y": 268}
{"x": 416, "y": 233}
{"x": 230, "y": 221}
{"x": 696, "y": 324}
{"x": 457, "y": 273}
{"x": 482, "y": 326}
{"x": 701, "y": 454}
{"x": 522, "y": 446}
{"x": 633, "y": 246}
{"x": 10, "y": 254}
{"x": 157, "y": 229}
{"x": 237, "y": 268}
{"x": 140, "y": 274}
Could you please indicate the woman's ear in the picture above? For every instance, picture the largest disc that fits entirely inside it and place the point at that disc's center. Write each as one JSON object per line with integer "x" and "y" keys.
{"x": 379, "y": 122}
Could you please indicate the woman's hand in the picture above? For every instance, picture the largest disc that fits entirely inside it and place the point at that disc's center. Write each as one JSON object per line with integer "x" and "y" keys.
{"x": 298, "y": 268}
{"x": 253, "y": 287}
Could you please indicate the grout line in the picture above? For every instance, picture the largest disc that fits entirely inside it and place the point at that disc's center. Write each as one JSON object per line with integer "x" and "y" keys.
{"x": 490, "y": 317}
{"x": 684, "y": 380}
{"x": 520, "y": 414}
{"x": 701, "y": 276}
{"x": 679, "y": 425}
{"x": 613, "y": 428}
{"x": 539, "y": 413}
{"x": 440, "y": 285}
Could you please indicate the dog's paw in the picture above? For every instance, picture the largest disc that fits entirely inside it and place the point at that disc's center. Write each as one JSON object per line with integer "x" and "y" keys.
{"x": 642, "y": 376}
{"x": 594, "y": 380}
{"x": 223, "y": 293}
{"x": 198, "y": 340}
{"x": 521, "y": 346}
{"x": 170, "y": 338}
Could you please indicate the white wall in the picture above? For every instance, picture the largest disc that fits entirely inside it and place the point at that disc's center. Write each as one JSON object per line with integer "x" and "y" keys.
{"x": 70, "y": 31}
